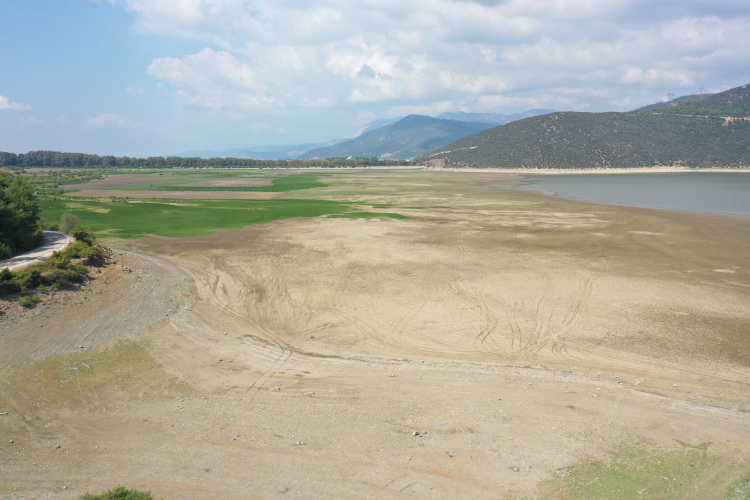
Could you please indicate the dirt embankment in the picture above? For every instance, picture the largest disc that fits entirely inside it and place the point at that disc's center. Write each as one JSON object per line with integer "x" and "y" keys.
{"x": 125, "y": 296}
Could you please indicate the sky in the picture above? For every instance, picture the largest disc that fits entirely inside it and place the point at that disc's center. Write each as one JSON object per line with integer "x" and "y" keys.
{"x": 157, "y": 77}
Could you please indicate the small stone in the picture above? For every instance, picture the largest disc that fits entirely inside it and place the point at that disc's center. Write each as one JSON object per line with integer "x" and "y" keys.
{"x": 58, "y": 446}
{"x": 11, "y": 441}
{"x": 415, "y": 433}
{"x": 514, "y": 469}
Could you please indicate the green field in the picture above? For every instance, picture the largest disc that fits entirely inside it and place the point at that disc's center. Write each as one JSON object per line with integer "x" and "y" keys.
{"x": 133, "y": 219}
{"x": 282, "y": 184}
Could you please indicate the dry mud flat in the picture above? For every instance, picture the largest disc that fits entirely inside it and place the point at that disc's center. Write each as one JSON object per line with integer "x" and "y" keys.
{"x": 513, "y": 334}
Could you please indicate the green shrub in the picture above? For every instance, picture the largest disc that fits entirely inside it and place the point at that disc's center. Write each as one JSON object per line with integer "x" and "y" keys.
{"x": 6, "y": 275}
{"x": 30, "y": 301}
{"x": 9, "y": 288}
{"x": 80, "y": 271}
{"x": 54, "y": 227}
{"x": 69, "y": 221}
{"x": 91, "y": 254}
{"x": 80, "y": 234}
{"x": 5, "y": 252}
{"x": 118, "y": 493}
{"x": 58, "y": 260}
{"x": 75, "y": 249}
{"x": 60, "y": 277}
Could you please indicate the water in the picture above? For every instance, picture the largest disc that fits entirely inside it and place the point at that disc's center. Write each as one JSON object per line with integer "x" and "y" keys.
{"x": 712, "y": 192}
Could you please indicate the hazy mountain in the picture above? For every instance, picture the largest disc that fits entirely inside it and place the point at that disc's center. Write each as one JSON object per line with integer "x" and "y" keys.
{"x": 304, "y": 151}
{"x": 493, "y": 118}
{"x": 711, "y": 131}
{"x": 409, "y": 137}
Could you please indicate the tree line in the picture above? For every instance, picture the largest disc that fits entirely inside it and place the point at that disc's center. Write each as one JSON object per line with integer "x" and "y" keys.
{"x": 81, "y": 160}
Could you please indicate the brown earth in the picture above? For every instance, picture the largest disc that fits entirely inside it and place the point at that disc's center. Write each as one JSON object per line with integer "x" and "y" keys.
{"x": 98, "y": 188}
{"x": 177, "y": 195}
{"x": 232, "y": 182}
{"x": 517, "y": 334}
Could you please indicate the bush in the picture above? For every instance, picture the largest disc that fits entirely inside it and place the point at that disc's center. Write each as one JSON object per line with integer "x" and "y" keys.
{"x": 60, "y": 277}
{"x": 91, "y": 254}
{"x": 9, "y": 288}
{"x": 5, "y": 252}
{"x": 54, "y": 227}
{"x": 69, "y": 221}
{"x": 118, "y": 493}
{"x": 30, "y": 301}
{"x": 80, "y": 234}
{"x": 75, "y": 250}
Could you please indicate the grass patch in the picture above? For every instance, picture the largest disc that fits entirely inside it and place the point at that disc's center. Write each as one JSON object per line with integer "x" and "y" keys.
{"x": 631, "y": 474}
{"x": 29, "y": 301}
{"x": 280, "y": 185}
{"x": 739, "y": 490}
{"x": 283, "y": 183}
{"x": 199, "y": 217}
{"x": 367, "y": 215}
{"x": 119, "y": 493}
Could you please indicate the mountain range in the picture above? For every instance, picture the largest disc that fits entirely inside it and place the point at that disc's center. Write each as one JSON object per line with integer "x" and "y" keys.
{"x": 394, "y": 138}
{"x": 703, "y": 130}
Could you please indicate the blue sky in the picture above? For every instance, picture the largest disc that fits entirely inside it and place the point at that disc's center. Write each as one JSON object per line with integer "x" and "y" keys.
{"x": 154, "y": 77}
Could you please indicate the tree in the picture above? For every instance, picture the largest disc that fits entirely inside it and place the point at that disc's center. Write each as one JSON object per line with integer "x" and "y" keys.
{"x": 19, "y": 212}
{"x": 68, "y": 222}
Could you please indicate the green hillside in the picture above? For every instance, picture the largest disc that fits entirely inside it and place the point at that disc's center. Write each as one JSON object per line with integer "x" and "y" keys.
{"x": 409, "y": 137}
{"x": 674, "y": 102}
{"x": 714, "y": 131}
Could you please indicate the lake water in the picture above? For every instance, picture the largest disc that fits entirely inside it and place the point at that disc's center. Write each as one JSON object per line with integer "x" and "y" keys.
{"x": 712, "y": 192}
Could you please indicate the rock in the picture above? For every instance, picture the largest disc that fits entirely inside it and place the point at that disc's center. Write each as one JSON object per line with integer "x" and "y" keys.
{"x": 514, "y": 469}
{"x": 58, "y": 446}
{"x": 11, "y": 441}
{"x": 415, "y": 433}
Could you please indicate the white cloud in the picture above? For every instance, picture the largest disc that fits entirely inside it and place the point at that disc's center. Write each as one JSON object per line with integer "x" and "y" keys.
{"x": 131, "y": 90}
{"x": 110, "y": 120}
{"x": 428, "y": 109}
{"x": 33, "y": 120}
{"x": 6, "y": 103}
{"x": 265, "y": 54}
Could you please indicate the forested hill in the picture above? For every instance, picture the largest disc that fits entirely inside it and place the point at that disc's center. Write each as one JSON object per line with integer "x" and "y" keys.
{"x": 409, "y": 137}
{"x": 714, "y": 131}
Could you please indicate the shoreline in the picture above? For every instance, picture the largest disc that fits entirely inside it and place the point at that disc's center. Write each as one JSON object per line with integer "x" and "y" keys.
{"x": 583, "y": 171}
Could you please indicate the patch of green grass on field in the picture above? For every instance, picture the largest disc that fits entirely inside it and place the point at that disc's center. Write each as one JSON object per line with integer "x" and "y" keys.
{"x": 365, "y": 215}
{"x": 184, "y": 217}
{"x": 280, "y": 185}
{"x": 632, "y": 473}
{"x": 740, "y": 489}
{"x": 135, "y": 219}
{"x": 172, "y": 182}
{"x": 159, "y": 184}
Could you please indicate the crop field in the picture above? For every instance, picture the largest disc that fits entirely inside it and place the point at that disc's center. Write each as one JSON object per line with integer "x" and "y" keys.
{"x": 381, "y": 334}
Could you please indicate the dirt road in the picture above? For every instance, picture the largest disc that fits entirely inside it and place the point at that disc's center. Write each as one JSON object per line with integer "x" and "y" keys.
{"x": 53, "y": 242}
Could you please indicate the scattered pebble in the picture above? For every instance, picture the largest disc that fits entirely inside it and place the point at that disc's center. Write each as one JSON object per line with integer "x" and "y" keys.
{"x": 514, "y": 469}
{"x": 58, "y": 446}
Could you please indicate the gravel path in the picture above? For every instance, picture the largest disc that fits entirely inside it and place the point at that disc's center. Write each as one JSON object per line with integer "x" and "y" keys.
{"x": 53, "y": 242}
